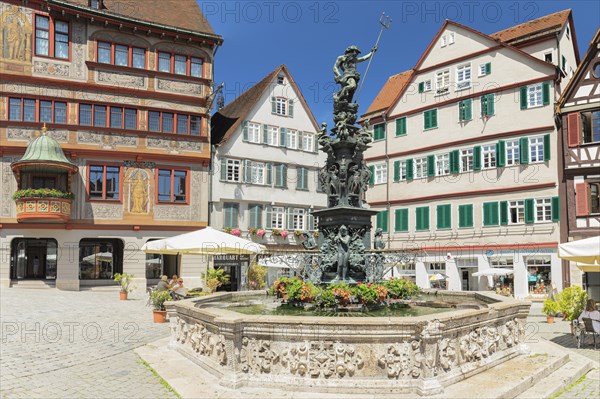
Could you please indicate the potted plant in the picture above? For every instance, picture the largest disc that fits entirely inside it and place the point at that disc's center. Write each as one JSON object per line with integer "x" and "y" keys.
{"x": 124, "y": 281}
{"x": 571, "y": 302}
{"x": 550, "y": 309}
{"x": 158, "y": 299}
{"x": 215, "y": 278}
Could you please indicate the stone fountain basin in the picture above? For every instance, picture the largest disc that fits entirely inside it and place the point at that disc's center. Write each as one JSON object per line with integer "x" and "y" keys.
{"x": 420, "y": 354}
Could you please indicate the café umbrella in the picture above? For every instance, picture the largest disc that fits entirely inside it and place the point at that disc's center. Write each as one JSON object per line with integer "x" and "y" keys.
{"x": 585, "y": 252}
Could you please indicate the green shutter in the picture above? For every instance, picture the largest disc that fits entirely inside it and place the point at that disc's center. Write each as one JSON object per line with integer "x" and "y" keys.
{"x": 282, "y": 137}
{"x": 430, "y": 165}
{"x": 401, "y": 220}
{"x": 501, "y": 154}
{"x": 401, "y": 126}
{"x": 546, "y": 93}
{"x": 245, "y": 131}
{"x": 379, "y": 132}
{"x": 455, "y": 161}
{"x": 477, "y": 157}
{"x": 291, "y": 108}
{"x": 434, "y": 118}
{"x": 422, "y": 218}
{"x": 382, "y": 220}
{"x": 524, "y": 150}
{"x": 529, "y": 210}
{"x": 443, "y": 216}
{"x": 396, "y": 170}
{"x": 564, "y": 63}
{"x": 426, "y": 120}
{"x": 421, "y": 87}
{"x": 265, "y": 134}
{"x": 290, "y": 218}
{"x": 488, "y": 68}
{"x": 504, "y": 212}
{"x": 523, "y": 92}
{"x": 465, "y": 110}
{"x": 555, "y": 209}
{"x": 273, "y": 105}
{"x": 465, "y": 216}
{"x": 546, "y": 147}
{"x": 490, "y": 213}
{"x": 269, "y": 173}
{"x": 247, "y": 172}
{"x": 385, "y": 221}
{"x": 223, "y": 169}
{"x": 372, "y": 178}
{"x": 491, "y": 102}
{"x": 269, "y": 216}
{"x": 410, "y": 171}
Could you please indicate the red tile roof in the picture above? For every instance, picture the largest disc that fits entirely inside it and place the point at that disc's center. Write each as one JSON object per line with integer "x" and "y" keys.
{"x": 537, "y": 27}
{"x": 394, "y": 85}
{"x": 182, "y": 14}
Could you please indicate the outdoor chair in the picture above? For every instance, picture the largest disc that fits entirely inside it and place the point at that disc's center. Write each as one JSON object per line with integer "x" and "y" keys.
{"x": 589, "y": 329}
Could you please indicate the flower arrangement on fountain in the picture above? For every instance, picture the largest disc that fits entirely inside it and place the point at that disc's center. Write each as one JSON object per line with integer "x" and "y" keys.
{"x": 296, "y": 291}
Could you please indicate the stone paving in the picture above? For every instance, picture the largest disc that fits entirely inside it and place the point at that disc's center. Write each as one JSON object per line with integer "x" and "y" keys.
{"x": 59, "y": 344}
{"x": 560, "y": 333}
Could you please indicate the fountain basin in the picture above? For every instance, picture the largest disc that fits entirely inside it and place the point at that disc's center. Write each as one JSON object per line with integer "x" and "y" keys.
{"x": 420, "y": 354}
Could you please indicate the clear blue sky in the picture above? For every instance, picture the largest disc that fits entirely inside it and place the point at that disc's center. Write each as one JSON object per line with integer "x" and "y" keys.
{"x": 307, "y": 36}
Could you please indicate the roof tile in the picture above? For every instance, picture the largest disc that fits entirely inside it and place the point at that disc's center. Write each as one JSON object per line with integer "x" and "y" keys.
{"x": 545, "y": 24}
{"x": 394, "y": 85}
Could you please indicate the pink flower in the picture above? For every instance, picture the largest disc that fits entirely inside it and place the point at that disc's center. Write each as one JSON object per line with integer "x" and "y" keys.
{"x": 359, "y": 283}
{"x": 236, "y": 232}
{"x": 261, "y": 232}
{"x": 285, "y": 233}
{"x": 368, "y": 285}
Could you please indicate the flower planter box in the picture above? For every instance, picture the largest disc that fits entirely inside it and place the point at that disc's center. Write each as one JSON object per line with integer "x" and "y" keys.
{"x": 45, "y": 209}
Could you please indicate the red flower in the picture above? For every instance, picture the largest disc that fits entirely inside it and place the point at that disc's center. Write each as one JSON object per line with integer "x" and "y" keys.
{"x": 368, "y": 285}
{"x": 359, "y": 283}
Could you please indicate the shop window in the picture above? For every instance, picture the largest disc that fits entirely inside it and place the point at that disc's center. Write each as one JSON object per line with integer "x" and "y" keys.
{"x": 539, "y": 275}
{"x": 100, "y": 259}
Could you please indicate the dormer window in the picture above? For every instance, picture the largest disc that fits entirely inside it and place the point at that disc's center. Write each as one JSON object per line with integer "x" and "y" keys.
{"x": 280, "y": 80}
{"x": 96, "y": 4}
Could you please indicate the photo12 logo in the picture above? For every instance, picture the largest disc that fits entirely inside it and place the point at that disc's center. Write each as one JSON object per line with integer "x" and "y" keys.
{"x": 69, "y": 332}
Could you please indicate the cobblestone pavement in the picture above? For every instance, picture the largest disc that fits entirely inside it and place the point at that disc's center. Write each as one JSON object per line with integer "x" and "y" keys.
{"x": 560, "y": 333}
{"x": 59, "y": 344}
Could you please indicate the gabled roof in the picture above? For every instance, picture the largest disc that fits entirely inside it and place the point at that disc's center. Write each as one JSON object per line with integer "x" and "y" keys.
{"x": 225, "y": 121}
{"x": 388, "y": 93}
{"x": 547, "y": 24}
{"x": 183, "y": 14}
{"x": 593, "y": 48}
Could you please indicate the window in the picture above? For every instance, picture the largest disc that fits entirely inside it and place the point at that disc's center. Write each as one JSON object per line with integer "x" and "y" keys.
{"x": 590, "y": 125}
{"x": 488, "y": 103}
{"x": 465, "y": 110}
{"x": 233, "y": 170}
{"x": 594, "y": 197}
{"x": 307, "y": 142}
{"x": 444, "y": 216}
{"x": 502, "y": 262}
{"x": 451, "y": 38}
{"x": 442, "y": 164}
{"x": 297, "y": 219}
{"x": 182, "y": 124}
{"x": 254, "y": 133}
{"x": 399, "y": 170}
{"x": 43, "y": 182}
{"x": 164, "y": 62}
{"x": 543, "y": 210}
{"x": 95, "y": 4}
{"x": 401, "y": 126}
{"x": 548, "y": 57}
{"x": 277, "y": 217}
{"x": 536, "y": 149}
{"x": 196, "y": 67}
{"x": 95, "y": 115}
{"x": 280, "y": 80}
{"x": 382, "y": 221}
{"x": 420, "y": 168}
{"x": 138, "y": 57}
{"x": 154, "y": 121}
{"x": 92, "y": 265}
{"x": 180, "y": 64}
{"x": 230, "y": 215}
{"x": 121, "y": 55}
{"x": 380, "y": 173}
{"x": 512, "y": 152}
{"x": 85, "y": 114}
{"x": 379, "y": 131}
{"x": 104, "y": 52}
{"x": 42, "y": 35}
{"x": 104, "y": 182}
{"x": 516, "y": 212}
{"x": 444, "y": 41}
{"x": 195, "y": 125}
{"x": 24, "y": 109}
{"x": 167, "y": 122}
{"x": 596, "y": 70}
{"x": 280, "y": 106}
{"x": 100, "y": 115}
{"x": 564, "y": 63}
{"x": 485, "y": 69}
{"x": 401, "y": 220}
{"x": 172, "y": 185}
{"x": 534, "y": 96}
{"x": 425, "y": 86}
{"x": 488, "y": 153}
{"x": 301, "y": 178}
{"x": 292, "y": 139}
{"x": 463, "y": 76}
{"x": 422, "y": 218}
{"x": 272, "y": 135}
{"x": 116, "y": 117}
{"x": 61, "y": 39}
{"x": 490, "y": 214}
{"x": 442, "y": 81}
{"x": 465, "y": 216}
{"x": 430, "y": 119}
{"x": 280, "y": 175}
{"x": 255, "y": 216}
{"x": 466, "y": 160}
{"x": 568, "y": 32}
{"x": 256, "y": 172}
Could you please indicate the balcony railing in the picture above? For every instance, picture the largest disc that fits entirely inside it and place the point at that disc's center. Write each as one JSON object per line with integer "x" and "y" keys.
{"x": 45, "y": 209}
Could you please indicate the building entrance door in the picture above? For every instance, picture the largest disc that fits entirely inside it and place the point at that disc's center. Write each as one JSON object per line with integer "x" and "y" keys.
{"x": 33, "y": 258}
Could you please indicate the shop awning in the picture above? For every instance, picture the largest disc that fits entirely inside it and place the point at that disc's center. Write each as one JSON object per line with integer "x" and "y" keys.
{"x": 586, "y": 251}
{"x": 589, "y": 268}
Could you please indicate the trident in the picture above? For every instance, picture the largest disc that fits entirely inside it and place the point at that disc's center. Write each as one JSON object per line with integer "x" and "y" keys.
{"x": 385, "y": 23}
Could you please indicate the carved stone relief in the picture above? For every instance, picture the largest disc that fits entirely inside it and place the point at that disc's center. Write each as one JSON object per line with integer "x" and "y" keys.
{"x": 402, "y": 360}
{"x": 121, "y": 79}
{"x": 7, "y": 188}
{"x": 106, "y": 140}
{"x": 322, "y": 359}
{"x": 51, "y": 68}
{"x": 180, "y": 87}
{"x": 103, "y": 211}
{"x": 201, "y": 340}
{"x": 171, "y": 212}
{"x": 79, "y": 43}
{"x": 173, "y": 145}
{"x": 256, "y": 356}
{"x": 61, "y": 136}
{"x": 196, "y": 200}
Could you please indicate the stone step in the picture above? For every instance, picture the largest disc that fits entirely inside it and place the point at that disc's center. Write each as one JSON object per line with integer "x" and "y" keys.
{"x": 33, "y": 284}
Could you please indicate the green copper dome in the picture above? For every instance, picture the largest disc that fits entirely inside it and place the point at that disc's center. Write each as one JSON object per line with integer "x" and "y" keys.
{"x": 45, "y": 149}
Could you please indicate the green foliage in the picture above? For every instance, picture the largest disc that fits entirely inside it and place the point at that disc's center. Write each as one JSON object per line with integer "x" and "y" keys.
{"x": 571, "y": 302}
{"x": 42, "y": 193}
{"x": 159, "y": 298}
{"x": 366, "y": 293}
{"x": 550, "y": 307}
{"x": 215, "y": 278}
{"x": 325, "y": 298}
{"x": 125, "y": 281}
{"x": 401, "y": 288}
{"x": 256, "y": 277}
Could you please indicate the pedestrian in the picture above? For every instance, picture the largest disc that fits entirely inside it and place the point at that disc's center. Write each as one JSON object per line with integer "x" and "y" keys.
{"x": 591, "y": 312}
